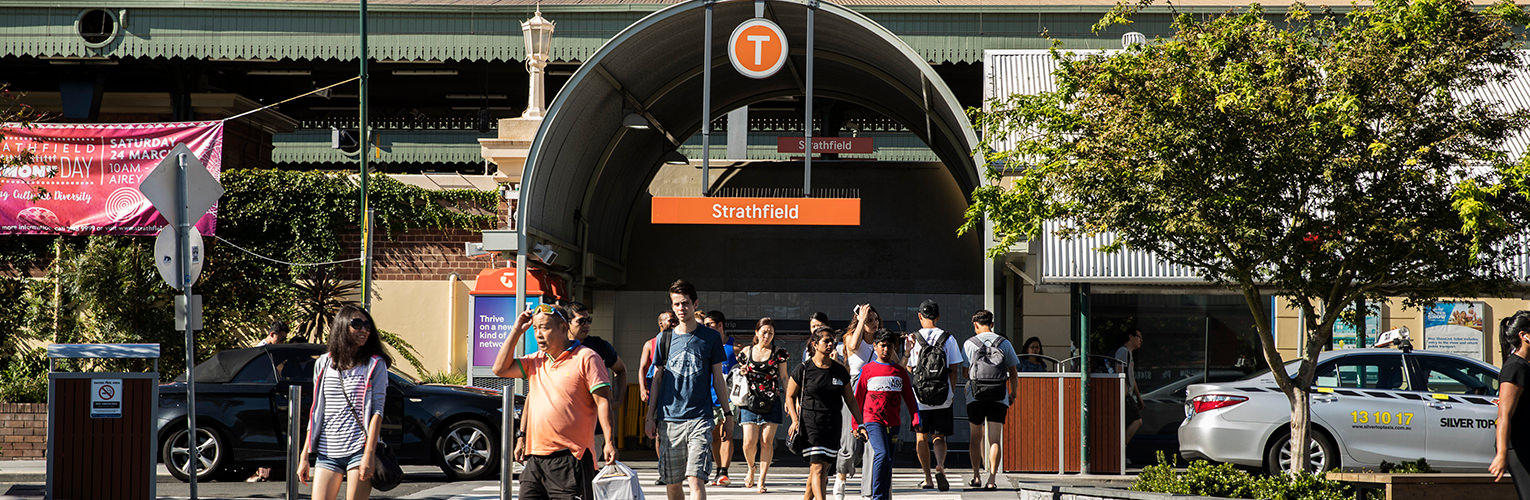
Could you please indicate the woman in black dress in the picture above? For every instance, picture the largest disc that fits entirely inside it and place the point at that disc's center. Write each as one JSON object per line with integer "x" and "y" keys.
{"x": 1513, "y": 434}
{"x": 820, "y": 386}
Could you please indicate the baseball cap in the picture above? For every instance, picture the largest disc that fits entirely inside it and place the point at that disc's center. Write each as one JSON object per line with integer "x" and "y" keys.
{"x": 929, "y": 309}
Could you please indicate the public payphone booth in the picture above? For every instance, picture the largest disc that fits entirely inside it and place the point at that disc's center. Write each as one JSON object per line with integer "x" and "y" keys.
{"x": 493, "y": 313}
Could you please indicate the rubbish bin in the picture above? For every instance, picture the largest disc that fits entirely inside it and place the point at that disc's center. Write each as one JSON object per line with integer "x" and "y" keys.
{"x": 101, "y": 425}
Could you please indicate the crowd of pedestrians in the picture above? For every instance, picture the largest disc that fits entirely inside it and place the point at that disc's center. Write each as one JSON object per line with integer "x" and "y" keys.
{"x": 844, "y": 399}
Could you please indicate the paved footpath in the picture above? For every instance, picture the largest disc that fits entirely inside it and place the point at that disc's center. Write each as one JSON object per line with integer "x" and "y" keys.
{"x": 24, "y": 480}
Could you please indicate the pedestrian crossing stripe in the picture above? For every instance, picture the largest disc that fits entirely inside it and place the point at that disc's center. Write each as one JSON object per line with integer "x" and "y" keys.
{"x": 788, "y": 484}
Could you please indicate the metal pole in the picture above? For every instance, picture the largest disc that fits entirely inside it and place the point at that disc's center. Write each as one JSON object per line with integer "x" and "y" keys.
{"x": 807, "y": 126}
{"x": 183, "y": 268}
{"x": 366, "y": 150}
{"x": 507, "y": 440}
{"x": 706, "y": 104}
{"x": 1083, "y": 376}
{"x": 294, "y": 437}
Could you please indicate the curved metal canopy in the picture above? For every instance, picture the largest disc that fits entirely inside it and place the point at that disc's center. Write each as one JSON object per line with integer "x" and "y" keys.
{"x": 584, "y": 167}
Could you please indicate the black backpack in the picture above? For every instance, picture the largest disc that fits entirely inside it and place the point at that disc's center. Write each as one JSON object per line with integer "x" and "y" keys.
{"x": 932, "y": 376}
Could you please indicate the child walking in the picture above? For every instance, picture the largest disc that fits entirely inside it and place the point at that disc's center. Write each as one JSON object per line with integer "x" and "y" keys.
{"x": 883, "y": 386}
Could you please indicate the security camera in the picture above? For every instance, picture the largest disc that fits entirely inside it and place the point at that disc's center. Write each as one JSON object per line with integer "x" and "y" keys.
{"x": 544, "y": 253}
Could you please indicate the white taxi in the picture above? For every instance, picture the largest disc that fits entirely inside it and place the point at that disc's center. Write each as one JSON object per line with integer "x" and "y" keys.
{"x": 1368, "y": 406}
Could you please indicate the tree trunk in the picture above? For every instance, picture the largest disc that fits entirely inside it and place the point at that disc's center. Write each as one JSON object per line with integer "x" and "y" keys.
{"x": 1301, "y": 407}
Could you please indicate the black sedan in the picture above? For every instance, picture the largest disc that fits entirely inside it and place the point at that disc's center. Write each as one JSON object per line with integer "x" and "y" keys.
{"x": 242, "y": 406}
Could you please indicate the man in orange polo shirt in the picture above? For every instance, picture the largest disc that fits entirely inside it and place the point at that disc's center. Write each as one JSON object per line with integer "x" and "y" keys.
{"x": 570, "y": 390}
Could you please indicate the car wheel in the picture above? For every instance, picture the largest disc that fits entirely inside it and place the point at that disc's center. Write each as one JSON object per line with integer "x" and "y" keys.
{"x": 467, "y": 450}
{"x": 211, "y": 448}
{"x": 1323, "y": 454}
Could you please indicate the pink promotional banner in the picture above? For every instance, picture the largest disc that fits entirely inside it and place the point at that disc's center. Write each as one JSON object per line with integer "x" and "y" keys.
{"x": 83, "y": 178}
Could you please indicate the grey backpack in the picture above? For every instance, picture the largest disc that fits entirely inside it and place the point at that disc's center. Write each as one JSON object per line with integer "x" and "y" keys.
{"x": 988, "y": 374}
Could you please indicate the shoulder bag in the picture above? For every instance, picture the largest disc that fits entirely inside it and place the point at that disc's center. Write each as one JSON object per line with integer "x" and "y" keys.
{"x": 386, "y": 474}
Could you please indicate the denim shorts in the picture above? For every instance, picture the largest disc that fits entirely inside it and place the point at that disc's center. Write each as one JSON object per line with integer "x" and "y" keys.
{"x": 774, "y": 416}
{"x": 340, "y": 464}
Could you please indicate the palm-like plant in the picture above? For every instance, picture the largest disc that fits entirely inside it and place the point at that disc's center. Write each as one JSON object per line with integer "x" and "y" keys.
{"x": 320, "y": 294}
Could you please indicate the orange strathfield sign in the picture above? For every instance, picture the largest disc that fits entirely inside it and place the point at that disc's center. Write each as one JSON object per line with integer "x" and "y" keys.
{"x": 758, "y": 211}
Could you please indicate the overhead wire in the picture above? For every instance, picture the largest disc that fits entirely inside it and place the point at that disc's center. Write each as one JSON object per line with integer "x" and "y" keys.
{"x": 296, "y": 264}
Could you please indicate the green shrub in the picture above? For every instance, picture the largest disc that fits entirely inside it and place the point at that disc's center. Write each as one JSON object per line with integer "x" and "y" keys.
{"x": 1226, "y": 480}
{"x": 447, "y": 377}
{"x": 25, "y": 378}
{"x": 1415, "y": 467}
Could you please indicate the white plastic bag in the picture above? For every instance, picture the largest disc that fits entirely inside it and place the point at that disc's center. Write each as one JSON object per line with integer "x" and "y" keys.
{"x": 617, "y": 482}
{"x": 738, "y": 388}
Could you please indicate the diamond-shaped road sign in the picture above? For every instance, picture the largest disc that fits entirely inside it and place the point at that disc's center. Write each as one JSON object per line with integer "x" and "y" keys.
{"x": 160, "y": 186}
{"x": 202, "y": 191}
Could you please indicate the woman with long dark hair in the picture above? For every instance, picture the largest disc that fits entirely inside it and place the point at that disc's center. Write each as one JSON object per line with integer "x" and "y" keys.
{"x": 856, "y": 351}
{"x": 1029, "y": 363}
{"x": 350, "y": 385}
{"x": 816, "y": 393}
{"x": 1513, "y": 433}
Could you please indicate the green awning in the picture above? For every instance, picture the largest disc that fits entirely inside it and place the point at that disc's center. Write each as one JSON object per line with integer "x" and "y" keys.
{"x": 397, "y": 146}
{"x": 476, "y": 32}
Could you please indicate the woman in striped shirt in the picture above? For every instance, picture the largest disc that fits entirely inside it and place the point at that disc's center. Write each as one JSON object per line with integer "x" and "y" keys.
{"x": 350, "y": 385}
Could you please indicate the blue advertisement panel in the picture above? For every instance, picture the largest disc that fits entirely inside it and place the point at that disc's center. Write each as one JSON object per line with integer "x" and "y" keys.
{"x": 1456, "y": 327}
{"x": 493, "y": 318}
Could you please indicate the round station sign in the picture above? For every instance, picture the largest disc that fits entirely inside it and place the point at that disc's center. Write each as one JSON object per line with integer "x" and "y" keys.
{"x": 757, "y": 48}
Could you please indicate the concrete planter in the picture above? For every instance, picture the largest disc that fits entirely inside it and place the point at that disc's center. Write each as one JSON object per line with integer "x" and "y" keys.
{"x": 1043, "y": 491}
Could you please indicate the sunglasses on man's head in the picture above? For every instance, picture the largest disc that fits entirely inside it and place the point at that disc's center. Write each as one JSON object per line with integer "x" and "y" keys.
{"x": 358, "y": 323}
{"x": 549, "y": 309}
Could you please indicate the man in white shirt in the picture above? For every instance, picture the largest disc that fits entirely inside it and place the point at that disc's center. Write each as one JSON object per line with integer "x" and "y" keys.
{"x": 936, "y": 420}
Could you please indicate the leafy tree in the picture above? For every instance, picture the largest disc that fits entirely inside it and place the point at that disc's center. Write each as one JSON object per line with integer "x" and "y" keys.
{"x": 1329, "y": 159}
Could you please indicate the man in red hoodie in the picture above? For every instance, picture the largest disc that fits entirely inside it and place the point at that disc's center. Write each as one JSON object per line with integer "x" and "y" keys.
{"x": 882, "y": 387}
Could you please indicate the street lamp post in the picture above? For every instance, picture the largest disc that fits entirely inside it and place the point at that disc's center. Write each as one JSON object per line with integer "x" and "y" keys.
{"x": 538, "y": 33}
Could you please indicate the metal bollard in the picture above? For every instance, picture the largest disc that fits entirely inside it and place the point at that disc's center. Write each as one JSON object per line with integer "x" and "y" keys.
{"x": 507, "y": 442}
{"x": 294, "y": 438}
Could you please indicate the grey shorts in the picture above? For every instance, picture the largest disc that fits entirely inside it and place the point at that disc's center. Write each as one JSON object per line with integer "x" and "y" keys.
{"x": 850, "y": 447}
{"x": 685, "y": 449}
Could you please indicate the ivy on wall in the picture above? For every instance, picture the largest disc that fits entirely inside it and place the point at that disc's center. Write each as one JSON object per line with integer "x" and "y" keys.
{"x": 106, "y": 288}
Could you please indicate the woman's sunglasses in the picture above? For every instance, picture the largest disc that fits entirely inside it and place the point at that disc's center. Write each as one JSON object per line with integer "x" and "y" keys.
{"x": 359, "y": 323}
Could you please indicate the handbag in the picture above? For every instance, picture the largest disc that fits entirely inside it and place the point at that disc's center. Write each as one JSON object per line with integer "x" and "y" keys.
{"x": 796, "y": 442}
{"x": 761, "y": 402}
{"x": 386, "y": 474}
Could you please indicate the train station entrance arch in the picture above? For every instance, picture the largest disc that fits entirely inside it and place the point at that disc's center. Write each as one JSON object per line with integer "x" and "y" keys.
{"x": 585, "y": 171}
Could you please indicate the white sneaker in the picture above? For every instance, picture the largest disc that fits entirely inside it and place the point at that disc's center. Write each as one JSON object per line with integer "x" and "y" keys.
{"x": 839, "y": 488}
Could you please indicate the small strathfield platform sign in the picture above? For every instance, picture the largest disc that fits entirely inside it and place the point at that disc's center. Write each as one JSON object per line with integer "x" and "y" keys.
{"x": 852, "y": 145}
{"x": 758, "y": 211}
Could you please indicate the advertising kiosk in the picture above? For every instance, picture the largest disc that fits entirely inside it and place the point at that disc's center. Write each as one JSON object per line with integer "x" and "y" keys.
{"x": 493, "y": 313}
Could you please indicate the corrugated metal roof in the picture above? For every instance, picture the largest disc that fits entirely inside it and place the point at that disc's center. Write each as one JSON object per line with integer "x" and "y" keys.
{"x": 398, "y": 146}
{"x": 1078, "y": 260}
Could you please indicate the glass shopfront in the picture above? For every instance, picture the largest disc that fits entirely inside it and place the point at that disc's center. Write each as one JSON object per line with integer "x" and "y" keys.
{"x": 1187, "y": 339}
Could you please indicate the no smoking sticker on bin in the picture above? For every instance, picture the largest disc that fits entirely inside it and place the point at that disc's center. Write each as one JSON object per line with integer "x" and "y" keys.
{"x": 757, "y": 48}
{"x": 106, "y": 398}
